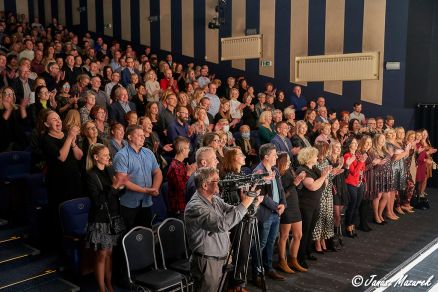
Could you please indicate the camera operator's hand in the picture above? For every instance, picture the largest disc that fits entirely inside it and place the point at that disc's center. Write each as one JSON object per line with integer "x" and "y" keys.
{"x": 246, "y": 200}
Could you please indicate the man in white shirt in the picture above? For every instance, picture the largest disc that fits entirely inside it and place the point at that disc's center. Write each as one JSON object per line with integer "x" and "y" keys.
{"x": 214, "y": 99}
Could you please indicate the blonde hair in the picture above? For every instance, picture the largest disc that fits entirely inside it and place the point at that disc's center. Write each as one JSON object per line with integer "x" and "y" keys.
{"x": 298, "y": 125}
{"x": 306, "y": 154}
{"x": 263, "y": 116}
{"x": 93, "y": 150}
{"x": 72, "y": 118}
{"x": 2, "y": 92}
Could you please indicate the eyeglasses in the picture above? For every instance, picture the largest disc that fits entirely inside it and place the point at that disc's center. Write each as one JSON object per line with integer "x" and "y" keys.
{"x": 214, "y": 182}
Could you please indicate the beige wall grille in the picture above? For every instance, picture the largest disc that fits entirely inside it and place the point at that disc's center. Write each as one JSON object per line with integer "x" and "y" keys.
{"x": 360, "y": 66}
{"x": 243, "y": 47}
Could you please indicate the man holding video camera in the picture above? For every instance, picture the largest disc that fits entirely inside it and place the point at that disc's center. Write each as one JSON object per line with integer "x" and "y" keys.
{"x": 208, "y": 219}
{"x": 268, "y": 213}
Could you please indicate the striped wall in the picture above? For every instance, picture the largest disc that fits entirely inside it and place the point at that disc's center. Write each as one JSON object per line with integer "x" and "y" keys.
{"x": 290, "y": 28}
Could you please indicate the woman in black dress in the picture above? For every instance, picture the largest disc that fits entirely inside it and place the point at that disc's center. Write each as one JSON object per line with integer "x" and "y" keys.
{"x": 12, "y": 121}
{"x": 310, "y": 198}
{"x": 105, "y": 225}
{"x": 63, "y": 157}
{"x": 291, "y": 217}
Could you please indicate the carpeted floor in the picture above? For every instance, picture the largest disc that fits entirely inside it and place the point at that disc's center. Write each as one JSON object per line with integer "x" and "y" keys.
{"x": 373, "y": 253}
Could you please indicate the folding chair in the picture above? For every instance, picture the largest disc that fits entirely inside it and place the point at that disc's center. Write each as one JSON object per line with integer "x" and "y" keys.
{"x": 159, "y": 207}
{"x": 174, "y": 256}
{"x": 74, "y": 218}
{"x": 139, "y": 249}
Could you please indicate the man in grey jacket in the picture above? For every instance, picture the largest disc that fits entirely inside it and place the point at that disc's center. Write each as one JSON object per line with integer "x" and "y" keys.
{"x": 208, "y": 219}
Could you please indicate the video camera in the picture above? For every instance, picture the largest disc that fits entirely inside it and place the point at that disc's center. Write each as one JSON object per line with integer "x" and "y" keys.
{"x": 239, "y": 181}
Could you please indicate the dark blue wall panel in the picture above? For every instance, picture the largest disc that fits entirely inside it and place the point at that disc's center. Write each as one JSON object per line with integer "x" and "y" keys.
{"x": 176, "y": 23}
{"x": 117, "y": 21}
{"x": 99, "y": 18}
{"x": 252, "y": 22}
{"x": 199, "y": 30}
{"x": 155, "y": 26}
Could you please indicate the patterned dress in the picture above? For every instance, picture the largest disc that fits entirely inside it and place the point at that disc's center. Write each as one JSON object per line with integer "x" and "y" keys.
{"x": 325, "y": 224}
{"x": 399, "y": 177}
{"x": 383, "y": 181}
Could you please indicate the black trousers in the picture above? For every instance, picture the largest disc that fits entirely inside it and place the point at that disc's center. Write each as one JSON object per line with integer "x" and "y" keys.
{"x": 140, "y": 216}
{"x": 309, "y": 216}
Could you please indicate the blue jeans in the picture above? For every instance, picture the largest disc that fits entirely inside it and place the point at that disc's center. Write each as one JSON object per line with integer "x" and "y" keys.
{"x": 268, "y": 232}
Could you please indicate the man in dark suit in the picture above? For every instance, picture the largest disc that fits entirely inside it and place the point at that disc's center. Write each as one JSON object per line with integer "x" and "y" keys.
{"x": 121, "y": 107}
{"x": 22, "y": 85}
{"x": 282, "y": 142}
{"x": 128, "y": 71}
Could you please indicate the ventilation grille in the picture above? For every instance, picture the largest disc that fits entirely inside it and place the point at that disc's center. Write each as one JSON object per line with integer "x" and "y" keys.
{"x": 243, "y": 47}
{"x": 360, "y": 66}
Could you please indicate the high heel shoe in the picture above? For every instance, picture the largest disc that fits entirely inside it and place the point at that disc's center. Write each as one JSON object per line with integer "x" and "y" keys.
{"x": 399, "y": 211}
{"x": 349, "y": 233}
{"x": 378, "y": 223}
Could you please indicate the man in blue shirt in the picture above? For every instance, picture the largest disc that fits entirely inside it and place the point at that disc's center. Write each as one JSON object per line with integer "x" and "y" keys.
{"x": 144, "y": 179}
{"x": 299, "y": 102}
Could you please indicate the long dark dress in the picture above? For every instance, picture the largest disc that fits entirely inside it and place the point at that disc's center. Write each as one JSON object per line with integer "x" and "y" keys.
{"x": 63, "y": 178}
{"x": 309, "y": 206}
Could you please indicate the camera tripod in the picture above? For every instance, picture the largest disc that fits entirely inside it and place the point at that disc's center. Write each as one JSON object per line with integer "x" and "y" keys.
{"x": 246, "y": 229}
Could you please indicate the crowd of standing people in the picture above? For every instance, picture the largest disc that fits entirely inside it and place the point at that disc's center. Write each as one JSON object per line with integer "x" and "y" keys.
{"x": 112, "y": 123}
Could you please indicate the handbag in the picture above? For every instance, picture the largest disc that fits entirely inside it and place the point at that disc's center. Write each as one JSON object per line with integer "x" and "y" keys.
{"x": 115, "y": 228}
{"x": 420, "y": 202}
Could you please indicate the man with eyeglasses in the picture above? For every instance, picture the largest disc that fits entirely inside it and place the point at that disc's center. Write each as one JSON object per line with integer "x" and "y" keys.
{"x": 208, "y": 220}
{"x": 179, "y": 127}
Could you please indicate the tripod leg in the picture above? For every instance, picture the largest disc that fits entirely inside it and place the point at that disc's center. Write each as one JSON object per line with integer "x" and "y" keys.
{"x": 259, "y": 254}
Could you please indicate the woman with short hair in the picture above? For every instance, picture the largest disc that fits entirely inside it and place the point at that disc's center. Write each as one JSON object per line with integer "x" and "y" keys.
{"x": 309, "y": 197}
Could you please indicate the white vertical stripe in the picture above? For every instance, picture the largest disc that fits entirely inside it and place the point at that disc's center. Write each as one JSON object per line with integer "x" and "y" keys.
{"x": 61, "y": 12}
{"x": 165, "y": 25}
{"x": 299, "y": 33}
{"x": 238, "y": 27}
{"x": 125, "y": 16}
{"x": 76, "y": 14}
{"x": 188, "y": 43}
{"x": 23, "y": 8}
{"x": 91, "y": 15}
{"x": 108, "y": 16}
{"x": 211, "y": 35}
{"x": 145, "y": 25}
{"x": 267, "y": 28}
{"x": 334, "y": 37}
{"x": 373, "y": 39}
{"x": 48, "y": 11}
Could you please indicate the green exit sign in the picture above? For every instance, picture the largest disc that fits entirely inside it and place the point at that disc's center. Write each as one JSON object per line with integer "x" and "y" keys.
{"x": 266, "y": 63}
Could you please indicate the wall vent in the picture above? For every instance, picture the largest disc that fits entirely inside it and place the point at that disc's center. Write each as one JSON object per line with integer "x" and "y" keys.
{"x": 357, "y": 66}
{"x": 243, "y": 47}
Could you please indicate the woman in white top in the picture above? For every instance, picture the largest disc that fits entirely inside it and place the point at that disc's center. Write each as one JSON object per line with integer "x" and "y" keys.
{"x": 152, "y": 86}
